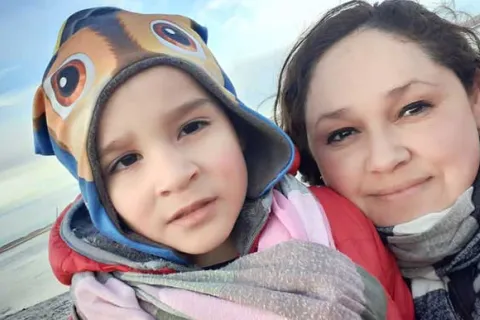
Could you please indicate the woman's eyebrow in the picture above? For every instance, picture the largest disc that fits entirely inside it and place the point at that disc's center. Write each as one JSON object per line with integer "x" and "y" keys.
{"x": 336, "y": 114}
{"x": 399, "y": 90}
{"x": 392, "y": 93}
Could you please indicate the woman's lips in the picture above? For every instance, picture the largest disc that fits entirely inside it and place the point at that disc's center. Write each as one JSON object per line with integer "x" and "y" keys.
{"x": 400, "y": 190}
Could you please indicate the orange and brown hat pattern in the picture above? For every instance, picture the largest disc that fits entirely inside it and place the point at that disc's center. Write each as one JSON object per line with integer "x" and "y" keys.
{"x": 88, "y": 58}
{"x": 100, "y": 48}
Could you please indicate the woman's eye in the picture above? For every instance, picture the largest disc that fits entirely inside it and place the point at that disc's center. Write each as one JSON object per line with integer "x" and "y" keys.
{"x": 125, "y": 162}
{"x": 192, "y": 127}
{"x": 340, "y": 135}
{"x": 415, "y": 108}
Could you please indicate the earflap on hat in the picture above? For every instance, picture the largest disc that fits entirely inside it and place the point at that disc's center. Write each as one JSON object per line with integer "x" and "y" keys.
{"x": 200, "y": 30}
{"x": 44, "y": 143}
{"x": 74, "y": 23}
{"x": 41, "y": 137}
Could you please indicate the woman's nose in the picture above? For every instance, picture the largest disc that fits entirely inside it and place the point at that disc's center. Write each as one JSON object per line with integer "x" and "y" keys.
{"x": 386, "y": 152}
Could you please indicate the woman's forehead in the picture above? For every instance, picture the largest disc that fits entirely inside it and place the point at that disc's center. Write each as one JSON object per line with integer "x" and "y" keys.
{"x": 366, "y": 65}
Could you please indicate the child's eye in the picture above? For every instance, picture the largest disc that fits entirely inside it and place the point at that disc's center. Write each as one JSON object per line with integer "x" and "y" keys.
{"x": 414, "y": 108}
{"x": 124, "y": 162}
{"x": 340, "y": 135}
{"x": 192, "y": 127}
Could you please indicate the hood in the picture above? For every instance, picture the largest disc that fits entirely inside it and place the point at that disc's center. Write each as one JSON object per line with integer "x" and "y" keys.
{"x": 98, "y": 49}
{"x": 76, "y": 245}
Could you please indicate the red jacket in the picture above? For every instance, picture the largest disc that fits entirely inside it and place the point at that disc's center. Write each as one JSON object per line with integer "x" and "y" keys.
{"x": 353, "y": 233}
{"x": 356, "y": 237}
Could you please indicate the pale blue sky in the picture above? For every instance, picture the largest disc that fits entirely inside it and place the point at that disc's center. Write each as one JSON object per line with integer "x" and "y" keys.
{"x": 248, "y": 37}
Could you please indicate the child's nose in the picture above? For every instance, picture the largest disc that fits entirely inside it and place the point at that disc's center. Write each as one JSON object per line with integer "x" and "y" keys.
{"x": 172, "y": 172}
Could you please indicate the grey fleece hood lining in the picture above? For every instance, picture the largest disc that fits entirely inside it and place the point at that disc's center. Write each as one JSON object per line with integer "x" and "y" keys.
{"x": 266, "y": 148}
{"x": 78, "y": 232}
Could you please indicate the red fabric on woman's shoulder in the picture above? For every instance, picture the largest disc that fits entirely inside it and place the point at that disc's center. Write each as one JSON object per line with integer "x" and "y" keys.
{"x": 356, "y": 237}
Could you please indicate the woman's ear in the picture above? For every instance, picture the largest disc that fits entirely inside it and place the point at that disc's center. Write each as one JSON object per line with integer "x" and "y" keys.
{"x": 475, "y": 97}
{"x": 243, "y": 143}
{"x": 296, "y": 163}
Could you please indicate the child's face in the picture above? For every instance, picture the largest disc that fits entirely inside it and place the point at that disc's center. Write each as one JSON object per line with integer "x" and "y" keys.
{"x": 172, "y": 162}
{"x": 390, "y": 129}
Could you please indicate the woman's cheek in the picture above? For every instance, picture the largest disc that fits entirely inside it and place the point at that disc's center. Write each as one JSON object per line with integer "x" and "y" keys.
{"x": 339, "y": 173}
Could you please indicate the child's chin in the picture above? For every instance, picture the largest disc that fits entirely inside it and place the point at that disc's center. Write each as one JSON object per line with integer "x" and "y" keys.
{"x": 205, "y": 247}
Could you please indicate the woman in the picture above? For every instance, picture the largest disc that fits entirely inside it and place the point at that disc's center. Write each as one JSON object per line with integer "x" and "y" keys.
{"x": 383, "y": 103}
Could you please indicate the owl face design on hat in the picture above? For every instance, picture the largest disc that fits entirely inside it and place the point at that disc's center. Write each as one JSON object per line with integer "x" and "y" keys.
{"x": 100, "y": 48}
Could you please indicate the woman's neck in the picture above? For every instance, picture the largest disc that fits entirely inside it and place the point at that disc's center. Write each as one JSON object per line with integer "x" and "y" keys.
{"x": 224, "y": 252}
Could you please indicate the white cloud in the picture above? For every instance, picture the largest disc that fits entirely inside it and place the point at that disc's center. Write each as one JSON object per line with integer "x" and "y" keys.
{"x": 252, "y": 43}
{"x": 216, "y": 4}
{"x": 20, "y": 183}
{"x": 5, "y": 71}
{"x": 258, "y": 27}
{"x": 18, "y": 97}
{"x": 130, "y": 5}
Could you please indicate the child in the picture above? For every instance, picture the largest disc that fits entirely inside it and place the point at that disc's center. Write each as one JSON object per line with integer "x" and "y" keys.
{"x": 186, "y": 208}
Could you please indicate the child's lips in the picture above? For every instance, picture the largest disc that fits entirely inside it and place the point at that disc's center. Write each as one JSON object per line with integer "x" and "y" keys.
{"x": 191, "y": 209}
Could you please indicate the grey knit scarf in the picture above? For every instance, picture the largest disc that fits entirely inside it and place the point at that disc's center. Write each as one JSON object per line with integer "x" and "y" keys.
{"x": 442, "y": 264}
{"x": 294, "y": 279}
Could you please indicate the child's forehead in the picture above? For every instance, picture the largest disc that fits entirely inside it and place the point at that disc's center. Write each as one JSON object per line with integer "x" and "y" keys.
{"x": 165, "y": 91}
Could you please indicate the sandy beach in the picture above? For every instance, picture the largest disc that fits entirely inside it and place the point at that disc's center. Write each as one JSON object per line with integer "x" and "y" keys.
{"x": 26, "y": 280}
{"x": 57, "y": 308}
{"x": 33, "y": 193}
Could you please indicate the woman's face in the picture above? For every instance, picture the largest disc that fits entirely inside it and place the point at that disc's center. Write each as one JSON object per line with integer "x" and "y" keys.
{"x": 390, "y": 129}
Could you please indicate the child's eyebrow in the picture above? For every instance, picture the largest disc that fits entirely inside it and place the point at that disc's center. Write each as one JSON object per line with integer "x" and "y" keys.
{"x": 176, "y": 113}
{"x": 191, "y": 105}
{"x": 110, "y": 147}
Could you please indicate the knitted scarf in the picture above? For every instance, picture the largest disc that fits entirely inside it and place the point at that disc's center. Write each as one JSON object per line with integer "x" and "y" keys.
{"x": 442, "y": 263}
{"x": 295, "y": 272}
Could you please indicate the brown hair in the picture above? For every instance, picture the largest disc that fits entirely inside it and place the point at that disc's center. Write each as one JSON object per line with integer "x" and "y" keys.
{"x": 448, "y": 44}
